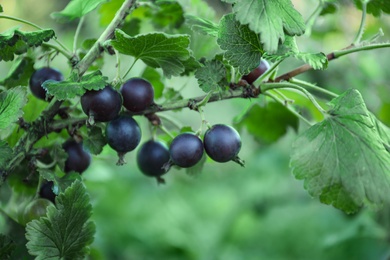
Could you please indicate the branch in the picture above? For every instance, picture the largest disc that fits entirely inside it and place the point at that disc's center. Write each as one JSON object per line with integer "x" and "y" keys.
{"x": 97, "y": 49}
{"x": 332, "y": 56}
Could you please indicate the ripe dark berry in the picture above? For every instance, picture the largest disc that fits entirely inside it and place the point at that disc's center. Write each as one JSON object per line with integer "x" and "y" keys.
{"x": 40, "y": 76}
{"x": 46, "y": 191}
{"x": 222, "y": 143}
{"x": 123, "y": 134}
{"x": 137, "y": 94}
{"x": 186, "y": 150}
{"x": 151, "y": 158}
{"x": 78, "y": 158}
{"x": 103, "y": 105}
{"x": 257, "y": 72}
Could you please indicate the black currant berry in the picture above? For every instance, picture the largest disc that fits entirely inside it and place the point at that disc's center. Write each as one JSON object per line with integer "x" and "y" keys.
{"x": 103, "y": 105}
{"x": 222, "y": 143}
{"x": 137, "y": 94}
{"x": 78, "y": 158}
{"x": 46, "y": 191}
{"x": 151, "y": 158}
{"x": 40, "y": 76}
{"x": 186, "y": 150}
{"x": 123, "y": 135}
{"x": 257, "y": 72}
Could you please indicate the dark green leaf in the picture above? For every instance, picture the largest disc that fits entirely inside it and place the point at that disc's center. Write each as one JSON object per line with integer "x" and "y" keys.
{"x": 70, "y": 88}
{"x": 7, "y": 246}
{"x": 267, "y": 123}
{"x": 172, "y": 94}
{"x": 66, "y": 231}
{"x": 242, "y": 46}
{"x": 202, "y": 26}
{"x": 211, "y": 76}
{"x": 5, "y": 153}
{"x": 132, "y": 27}
{"x": 12, "y": 102}
{"x": 95, "y": 140}
{"x": 15, "y": 42}
{"x": 76, "y": 9}
{"x": 20, "y": 73}
{"x": 375, "y": 7}
{"x": 155, "y": 79}
{"x": 329, "y": 8}
{"x": 1, "y": 9}
{"x": 271, "y": 19}
{"x": 343, "y": 160}
{"x": 158, "y": 50}
{"x": 289, "y": 48}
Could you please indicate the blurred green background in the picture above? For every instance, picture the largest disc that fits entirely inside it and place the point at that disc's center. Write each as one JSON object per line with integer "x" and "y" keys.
{"x": 226, "y": 211}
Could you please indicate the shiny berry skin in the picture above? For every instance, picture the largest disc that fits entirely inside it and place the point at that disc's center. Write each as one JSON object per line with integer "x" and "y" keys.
{"x": 78, "y": 159}
{"x": 104, "y": 104}
{"x": 257, "y": 72}
{"x": 123, "y": 134}
{"x": 222, "y": 143}
{"x": 46, "y": 191}
{"x": 40, "y": 76}
{"x": 151, "y": 157}
{"x": 186, "y": 150}
{"x": 138, "y": 94}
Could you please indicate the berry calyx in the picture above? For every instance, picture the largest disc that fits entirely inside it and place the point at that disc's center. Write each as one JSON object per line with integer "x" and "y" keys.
{"x": 151, "y": 158}
{"x": 101, "y": 105}
{"x": 186, "y": 150}
{"x": 39, "y": 77}
{"x": 137, "y": 93}
{"x": 257, "y": 72}
{"x": 78, "y": 159}
{"x": 123, "y": 135}
{"x": 222, "y": 143}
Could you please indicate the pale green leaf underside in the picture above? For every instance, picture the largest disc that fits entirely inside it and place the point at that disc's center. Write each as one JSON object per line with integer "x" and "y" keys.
{"x": 343, "y": 160}
{"x": 76, "y": 9}
{"x": 71, "y": 88}
{"x": 11, "y": 103}
{"x": 202, "y": 26}
{"x": 242, "y": 46}
{"x": 211, "y": 76}
{"x": 272, "y": 19}
{"x": 66, "y": 231}
{"x": 171, "y": 53}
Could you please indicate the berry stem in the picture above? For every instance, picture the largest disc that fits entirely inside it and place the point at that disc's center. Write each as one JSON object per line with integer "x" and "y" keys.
{"x": 266, "y": 74}
{"x": 77, "y": 33}
{"x": 360, "y": 33}
{"x": 308, "y": 85}
{"x": 58, "y": 49}
{"x": 129, "y": 69}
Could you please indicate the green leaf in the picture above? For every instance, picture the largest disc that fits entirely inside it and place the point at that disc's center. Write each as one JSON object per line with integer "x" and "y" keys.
{"x": 11, "y": 105}
{"x": 375, "y": 7}
{"x": 267, "y": 123}
{"x": 158, "y": 50}
{"x": 108, "y": 10}
{"x": 95, "y": 140}
{"x": 1, "y": 9}
{"x": 76, "y": 9}
{"x": 342, "y": 159}
{"x": 20, "y": 73}
{"x": 202, "y": 26}
{"x": 15, "y": 42}
{"x": 171, "y": 95}
{"x": 242, "y": 46}
{"x": 66, "y": 231}
{"x": 7, "y": 246}
{"x": 271, "y": 19}
{"x": 155, "y": 79}
{"x": 289, "y": 48}
{"x": 211, "y": 76}
{"x": 71, "y": 88}
{"x": 329, "y": 8}
{"x": 169, "y": 14}
{"x": 5, "y": 154}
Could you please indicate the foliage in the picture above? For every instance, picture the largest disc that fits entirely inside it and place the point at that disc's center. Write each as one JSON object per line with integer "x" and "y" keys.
{"x": 340, "y": 147}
